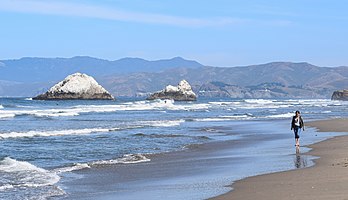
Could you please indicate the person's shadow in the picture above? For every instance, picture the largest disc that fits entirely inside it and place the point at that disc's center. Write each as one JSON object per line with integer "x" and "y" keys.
{"x": 299, "y": 161}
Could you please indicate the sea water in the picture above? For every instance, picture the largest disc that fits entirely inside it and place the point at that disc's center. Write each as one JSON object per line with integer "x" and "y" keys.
{"x": 42, "y": 140}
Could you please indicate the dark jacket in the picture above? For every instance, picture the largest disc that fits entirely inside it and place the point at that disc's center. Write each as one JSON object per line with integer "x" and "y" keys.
{"x": 293, "y": 122}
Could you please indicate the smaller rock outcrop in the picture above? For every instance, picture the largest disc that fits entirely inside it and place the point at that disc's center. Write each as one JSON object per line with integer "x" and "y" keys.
{"x": 182, "y": 92}
{"x": 76, "y": 86}
{"x": 340, "y": 95}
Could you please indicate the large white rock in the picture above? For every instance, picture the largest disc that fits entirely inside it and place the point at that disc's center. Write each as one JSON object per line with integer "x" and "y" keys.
{"x": 182, "y": 92}
{"x": 184, "y": 86}
{"x": 76, "y": 86}
{"x": 170, "y": 88}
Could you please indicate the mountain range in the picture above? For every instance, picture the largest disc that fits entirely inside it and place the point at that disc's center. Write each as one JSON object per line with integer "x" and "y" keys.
{"x": 139, "y": 77}
{"x": 53, "y": 69}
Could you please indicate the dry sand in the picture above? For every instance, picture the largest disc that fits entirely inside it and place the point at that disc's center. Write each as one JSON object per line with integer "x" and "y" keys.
{"x": 328, "y": 179}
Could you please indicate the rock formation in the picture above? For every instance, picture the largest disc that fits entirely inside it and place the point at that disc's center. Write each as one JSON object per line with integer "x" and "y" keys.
{"x": 182, "y": 92}
{"x": 340, "y": 95}
{"x": 76, "y": 86}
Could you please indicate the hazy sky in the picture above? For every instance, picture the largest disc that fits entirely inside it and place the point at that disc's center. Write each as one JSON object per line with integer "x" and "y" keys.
{"x": 213, "y": 32}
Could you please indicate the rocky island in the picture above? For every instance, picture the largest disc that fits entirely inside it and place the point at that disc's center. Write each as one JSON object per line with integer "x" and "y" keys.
{"x": 182, "y": 92}
{"x": 76, "y": 86}
{"x": 340, "y": 95}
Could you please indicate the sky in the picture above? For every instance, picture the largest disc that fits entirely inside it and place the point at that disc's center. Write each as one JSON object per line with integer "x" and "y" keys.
{"x": 223, "y": 33}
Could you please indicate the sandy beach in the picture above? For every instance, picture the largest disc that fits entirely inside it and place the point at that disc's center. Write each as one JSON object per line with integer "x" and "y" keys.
{"x": 207, "y": 168}
{"x": 197, "y": 172}
{"x": 328, "y": 179}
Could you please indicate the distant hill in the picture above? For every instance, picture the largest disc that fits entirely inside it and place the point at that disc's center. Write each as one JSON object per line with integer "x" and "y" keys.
{"x": 52, "y": 69}
{"x": 277, "y": 79}
{"x": 138, "y": 77}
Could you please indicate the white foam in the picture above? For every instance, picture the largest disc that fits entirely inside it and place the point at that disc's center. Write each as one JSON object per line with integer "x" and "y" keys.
{"x": 274, "y": 104}
{"x": 6, "y": 115}
{"x": 259, "y": 101}
{"x": 6, "y": 187}
{"x": 225, "y": 118}
{"x": 163, "y": 123}
{"x": 126, "y": 159}
{"x": 56, "y": 113}
{"x": 130, "y": 106}
{"x": 85, "y": 131}
{"x": 142, "y": 105}
{"x": 244, "y": 117}
{"x": 40, "y": 112}
{"x": 327, "y": 111}
{"x": 52, "y": 133}
{"x": 160, "y": 105}
{"x": 237, "y": 116}
{"x": 75, "y": 167}
{"x": 251, "y": 104}
{"x": 280, "y": 116}
{"x": 212, "y": 119}
{"x": 1, "y": 106}
{"x": 164, "y": 105}
{"x": 21, "y": 106}
{"x": 24, "y": 174}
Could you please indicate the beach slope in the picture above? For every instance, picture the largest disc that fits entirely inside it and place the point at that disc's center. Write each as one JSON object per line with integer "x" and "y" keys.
{"x": 328, "y": 179}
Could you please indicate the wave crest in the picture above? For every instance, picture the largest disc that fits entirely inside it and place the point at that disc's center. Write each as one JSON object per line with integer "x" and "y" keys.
{"x": 23, "y": 174}
{"x": 51, "y": 133}
{"x": 126, "y": 159}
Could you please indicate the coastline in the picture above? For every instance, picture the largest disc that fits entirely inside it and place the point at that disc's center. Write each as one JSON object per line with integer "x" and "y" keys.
{"x": 166, "y": 171}
{"x": 327, "y": 179}
{"x": 196, "y": 172}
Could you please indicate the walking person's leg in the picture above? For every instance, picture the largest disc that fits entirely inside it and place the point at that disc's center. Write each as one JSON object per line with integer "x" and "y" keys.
{"x": 297, "y": 142}
{"x": 298, "y": 134}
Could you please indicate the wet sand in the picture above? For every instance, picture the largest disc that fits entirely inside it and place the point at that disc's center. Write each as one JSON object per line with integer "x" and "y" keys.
{"x": 164, "y": 177}
{"x": 328, "y": 179}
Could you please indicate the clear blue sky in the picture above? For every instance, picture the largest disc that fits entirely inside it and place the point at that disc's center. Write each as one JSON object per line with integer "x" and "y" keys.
{"x": 213, "y": 32}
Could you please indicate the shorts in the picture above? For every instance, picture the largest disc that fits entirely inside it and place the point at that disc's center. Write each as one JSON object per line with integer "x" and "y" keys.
{"x": 297, "y": 131}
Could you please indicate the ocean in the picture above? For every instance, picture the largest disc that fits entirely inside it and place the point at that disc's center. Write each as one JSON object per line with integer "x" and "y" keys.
{"x": 46, "y": 144}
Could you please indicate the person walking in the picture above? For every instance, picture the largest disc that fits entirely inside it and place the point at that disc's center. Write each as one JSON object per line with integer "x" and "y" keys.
{"x": 296, "y": 125}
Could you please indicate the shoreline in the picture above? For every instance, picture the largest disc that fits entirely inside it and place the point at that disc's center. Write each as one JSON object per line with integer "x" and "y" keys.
{"x": 198, "y": 172}
{"x": 164, "y": 169}
{"x": 327, "y": 179}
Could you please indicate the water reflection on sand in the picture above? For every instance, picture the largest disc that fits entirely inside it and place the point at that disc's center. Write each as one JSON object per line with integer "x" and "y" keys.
{"x": 300, "y": 161}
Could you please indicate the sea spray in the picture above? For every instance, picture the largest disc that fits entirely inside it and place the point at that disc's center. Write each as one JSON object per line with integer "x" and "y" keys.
{"x": 23, "y": 174}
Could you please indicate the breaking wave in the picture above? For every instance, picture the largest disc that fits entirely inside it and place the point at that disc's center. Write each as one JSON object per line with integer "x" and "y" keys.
{"x": 51, "y": 133}
{"x": 164, "y": 105}
{"x": 245, "y": 117}
{"x": 141, "y": 124}
{"x": 74, "y": 167}
{"x": 159, "y": 105}
{"x": 19, "y": 174}
{"x": 280, "y": 116}
{"x": 163, "y": 123}
{"x": 142, "y": 105}
{"x": 16, "y": 174}
{"x": 225, "y": 118}
{"x": 274, "y": 104}
{"x": 126, "y": 159}
{"x": 6, "y": 115}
